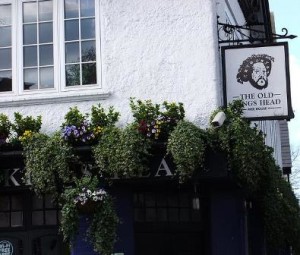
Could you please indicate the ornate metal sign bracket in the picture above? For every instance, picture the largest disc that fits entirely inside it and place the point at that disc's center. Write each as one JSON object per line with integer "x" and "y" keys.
{"x": 235, "y": 34}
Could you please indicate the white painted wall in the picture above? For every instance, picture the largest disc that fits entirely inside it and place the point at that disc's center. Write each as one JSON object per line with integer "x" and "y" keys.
{"x": 159, "y": 50}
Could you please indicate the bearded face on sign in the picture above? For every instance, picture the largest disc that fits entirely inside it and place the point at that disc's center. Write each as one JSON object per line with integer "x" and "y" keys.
{"x": 256, "y": 70}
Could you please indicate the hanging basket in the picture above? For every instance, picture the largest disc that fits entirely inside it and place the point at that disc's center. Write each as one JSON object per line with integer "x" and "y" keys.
{"x": 88, "y": 208}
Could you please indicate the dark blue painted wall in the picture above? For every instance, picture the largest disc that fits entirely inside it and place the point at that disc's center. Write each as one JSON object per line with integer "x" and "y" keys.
{"x": 125, "y": 231}
{"x": 81, "y": 246}
{"x": 227, "y": 230}
{"x": 227, "y": 223}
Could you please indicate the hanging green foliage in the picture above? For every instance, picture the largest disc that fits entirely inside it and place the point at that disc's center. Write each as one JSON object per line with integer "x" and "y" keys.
{"x": 126, "y": 153}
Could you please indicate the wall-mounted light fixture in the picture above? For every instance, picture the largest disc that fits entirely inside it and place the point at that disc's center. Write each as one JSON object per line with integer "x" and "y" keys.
{"x": 219, "y": 119}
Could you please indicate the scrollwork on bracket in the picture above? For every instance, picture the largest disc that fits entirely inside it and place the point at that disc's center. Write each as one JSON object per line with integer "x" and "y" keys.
{"x": 239, "y": 34}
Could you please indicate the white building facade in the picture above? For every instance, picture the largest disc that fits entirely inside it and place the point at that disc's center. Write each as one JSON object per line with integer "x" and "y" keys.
{"x": 58, "y": 54}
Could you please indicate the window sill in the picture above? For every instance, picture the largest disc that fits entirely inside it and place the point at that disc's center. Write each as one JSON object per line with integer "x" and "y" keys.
{"x": 17, "y": 101}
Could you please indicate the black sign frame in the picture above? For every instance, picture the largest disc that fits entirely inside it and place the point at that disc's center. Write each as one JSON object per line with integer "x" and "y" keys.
{"x": 290, "y": 113}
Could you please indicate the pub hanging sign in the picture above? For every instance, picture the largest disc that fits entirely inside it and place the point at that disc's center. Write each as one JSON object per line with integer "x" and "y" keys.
{"x": 259, "y": 76}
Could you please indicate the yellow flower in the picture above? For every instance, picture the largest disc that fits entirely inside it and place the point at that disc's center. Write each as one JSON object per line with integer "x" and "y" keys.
{"x": 26, "y": 135}
{"x": 98, "y": 130}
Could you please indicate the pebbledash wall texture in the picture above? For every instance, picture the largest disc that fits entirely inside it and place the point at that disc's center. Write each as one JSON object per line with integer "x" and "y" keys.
{"x": 158, "y": 50}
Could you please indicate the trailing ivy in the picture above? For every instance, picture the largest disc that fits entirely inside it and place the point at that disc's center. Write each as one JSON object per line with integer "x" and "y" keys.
{"x": 248, "y": 156}
{"x": 122, "y": 152}
{"x": 187, "y": 146}
{"x": 101, "y": 232}
{"x": 254, "y": 169}
{"x": 126, "y": 153}
{"x": 47, "y": 162}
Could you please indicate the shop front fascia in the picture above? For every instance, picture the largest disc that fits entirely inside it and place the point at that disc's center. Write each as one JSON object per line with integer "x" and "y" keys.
{"x": 158, "y": 215}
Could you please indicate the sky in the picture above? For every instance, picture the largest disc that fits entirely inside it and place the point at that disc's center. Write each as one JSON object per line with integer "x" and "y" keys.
{"x": 286, "y": 15}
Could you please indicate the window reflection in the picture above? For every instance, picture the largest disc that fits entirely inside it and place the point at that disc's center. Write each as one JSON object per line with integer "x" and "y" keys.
{"x": 5, "y": 58}
{"x": 87, "y": 8}
{"x": 46, "y": 32}
{"x": 30, "y": 79}
{"x": 46, "y": 77}
{"x": 89, "y": 74}
{"x": 87, "y": 28}
{"x": 30, "y": 56}
{"x": 5, "y": 81}
{"x": 72, "y": 75}
{"x": 29, "y": 12}
{"x": 72, "y": 30}
{"x": 45, "y": 11}
{"x": 72, "y": 52}
{"x": 30, "y": 34}
{"x": 5, "y": 14}
{"x": 5, "y": 36}
{"x": 71, "y": 9}
{"x": 88, "y": 51}
{"x": 46, "y": 55}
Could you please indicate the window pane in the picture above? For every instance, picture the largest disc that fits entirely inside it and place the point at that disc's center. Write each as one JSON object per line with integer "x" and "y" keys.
{"x": 30, "y": 79}
{"x": 184, "y": 215}
{"x": 72, "y": 52}
{"x": 71, "y": 30}
{"x": 46, "y": 78}
{"x": 49, "y": 203}
{"x": 184, "y": 200}
{"x": 5, "y": 85}
{"x": 17, "y": 219}
{"x": 4, "y": 203}
{"x": 5, "y": 14}
{"x": 196, "y": 215}
{"x": 30, "y": 56}
{"x": 4, "y": 220}
{"x": 5, "y": 58}
{"x": 88, "y": 51}
{"x": 46, "y": 32}
{"x": 139, "y": 214}
{"x": 173, "y": 200}
{"x": 87, "y": 28}
{"x": 72, "y": 75}
{"x": 45, "y": 10}
{"x": 50, "y": 218}
{"x": 150, "y": 214}
{"x": 71, "y": 9}
{"x": 37, "y": 218}
{"x": 173, "y": 214}
{"x": 87, "y": 8}
{"x": 89, "y": 74}
{"x": 162, "y": 214}
{"x": 46, "y": 55}
{"x": 162, "y": 200}
{"x": 149, "y": 199}
{"x": 29, "y": 12}
{"x": 17, "y": 202}
{"x": 5, "y": 36}
{"x": 37, "y": 203}
{"x": 29, "y": 34}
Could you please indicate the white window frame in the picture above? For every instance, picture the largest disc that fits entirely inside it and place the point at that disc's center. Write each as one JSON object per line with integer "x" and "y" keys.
{"x": 13, "y": 47}
{"x": 60, "y": 89}
{"x": 62, "y": 51}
